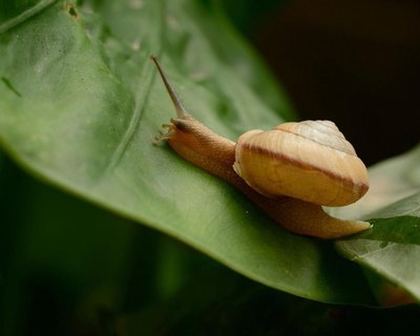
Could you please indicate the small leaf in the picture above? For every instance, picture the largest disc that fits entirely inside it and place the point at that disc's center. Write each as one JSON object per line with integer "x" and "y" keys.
{"x": 392, "y": 248}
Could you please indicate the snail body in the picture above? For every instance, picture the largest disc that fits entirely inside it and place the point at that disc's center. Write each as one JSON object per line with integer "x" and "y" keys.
{"x": 289, "y": 172}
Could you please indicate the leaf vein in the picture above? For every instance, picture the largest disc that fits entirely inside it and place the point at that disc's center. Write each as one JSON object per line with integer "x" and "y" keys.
{"x": 134, "y": 122}
{"x": 26, "y": 15}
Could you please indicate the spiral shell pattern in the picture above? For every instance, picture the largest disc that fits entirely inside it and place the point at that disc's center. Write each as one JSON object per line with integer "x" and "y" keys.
{"x": 309, "y": 160}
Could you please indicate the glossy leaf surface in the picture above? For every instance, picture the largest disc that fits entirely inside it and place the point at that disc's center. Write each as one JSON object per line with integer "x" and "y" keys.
{"x": 81, "y": 104}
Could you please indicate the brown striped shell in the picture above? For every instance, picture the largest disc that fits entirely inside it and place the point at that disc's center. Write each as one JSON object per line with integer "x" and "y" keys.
{"x": 309, "y": 160}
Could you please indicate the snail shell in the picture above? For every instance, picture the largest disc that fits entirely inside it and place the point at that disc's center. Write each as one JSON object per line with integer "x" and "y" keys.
{"x": 309, "y": 160}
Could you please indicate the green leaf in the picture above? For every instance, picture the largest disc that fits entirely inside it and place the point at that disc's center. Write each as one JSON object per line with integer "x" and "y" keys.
{"x": 392, "y": 248}
{"x": 80, "y": 103}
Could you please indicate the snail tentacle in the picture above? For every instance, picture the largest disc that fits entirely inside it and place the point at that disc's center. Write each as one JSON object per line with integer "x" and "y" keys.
{"x": 179, "y": 108}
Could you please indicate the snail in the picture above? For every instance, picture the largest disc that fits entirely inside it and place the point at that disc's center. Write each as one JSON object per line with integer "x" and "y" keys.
{"x": 289, "y": 172}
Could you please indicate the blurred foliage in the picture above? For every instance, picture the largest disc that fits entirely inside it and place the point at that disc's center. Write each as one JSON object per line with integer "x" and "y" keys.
{"x": 247, "y": 14}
